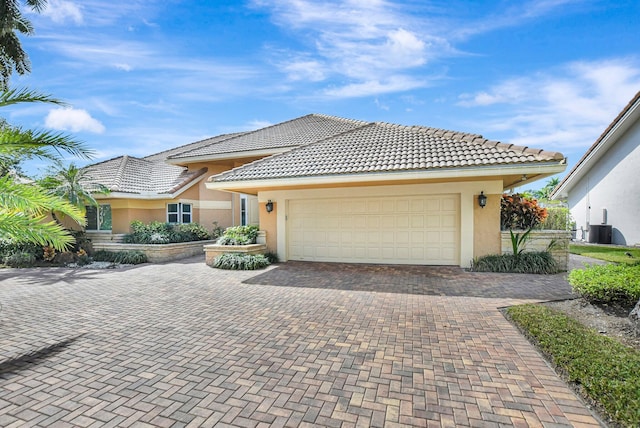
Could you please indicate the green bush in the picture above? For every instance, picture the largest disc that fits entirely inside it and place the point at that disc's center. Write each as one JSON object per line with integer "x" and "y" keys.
{"x": 19, "y": 259}
{"x": 190, "y": 232}
{"x": 122, "y": 257}
{"x": 607, "y": 283}
{"x": 8, "y": 248}
{"x": 165, "y": 233}
{"x": 534, "y": 262}
{"x": 272, "y": 257}
{"x": 605, "y": 370}
{"x": 240, "y": 261}
{"x": 558, "y": 218}
{"x": 239, "y": 235}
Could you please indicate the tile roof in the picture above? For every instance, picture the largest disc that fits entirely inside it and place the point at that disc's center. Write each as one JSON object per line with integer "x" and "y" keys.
{"x": 128, "y": 174}
{"x": 383, "y": 147}
{"x": 292, "y": 133}
{"x": 164, "y": 155}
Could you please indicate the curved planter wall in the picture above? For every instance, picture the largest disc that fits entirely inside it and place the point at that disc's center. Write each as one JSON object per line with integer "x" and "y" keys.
{"x": 157, "y": 253}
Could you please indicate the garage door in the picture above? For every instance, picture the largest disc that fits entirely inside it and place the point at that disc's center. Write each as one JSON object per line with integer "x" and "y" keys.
{"x": 396, "y": 230}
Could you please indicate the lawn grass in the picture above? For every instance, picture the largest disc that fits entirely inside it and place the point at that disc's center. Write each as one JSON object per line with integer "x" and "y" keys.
{"x": 605, "y": 371}
{"x": 607, "y": 253}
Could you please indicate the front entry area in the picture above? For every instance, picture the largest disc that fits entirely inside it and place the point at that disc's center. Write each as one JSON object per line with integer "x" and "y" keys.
{"x": 416, "y": 229}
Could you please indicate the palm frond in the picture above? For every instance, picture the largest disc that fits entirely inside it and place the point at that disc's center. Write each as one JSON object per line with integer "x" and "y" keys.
{"x": 19, "y": 227}
{"x": 25, "y": 95}
{"x": 40, "y": 143}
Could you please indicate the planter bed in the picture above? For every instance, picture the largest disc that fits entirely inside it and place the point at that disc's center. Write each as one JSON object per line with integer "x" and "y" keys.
{"x": 158, "y": 253}
{"x": 213, "y": 250}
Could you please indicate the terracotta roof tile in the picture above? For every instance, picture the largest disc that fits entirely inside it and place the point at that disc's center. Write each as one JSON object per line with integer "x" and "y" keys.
{"x": 293, "y": 133}
{"x": 383, "y": 147}
{"x": 128, "y": 174}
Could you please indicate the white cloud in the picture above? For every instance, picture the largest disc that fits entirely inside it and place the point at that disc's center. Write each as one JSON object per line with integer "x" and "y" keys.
{"x": 60, "y": 10}
{"x": 74, "y": 120}
{"x": 393, "y": 84}
{"x": 366, "y": 42}
{"x": 123, "y": 67}
{"x": 567, "y": 107}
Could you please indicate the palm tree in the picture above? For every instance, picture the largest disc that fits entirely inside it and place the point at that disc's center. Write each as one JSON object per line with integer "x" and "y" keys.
{"x": 545, "y": 192}
{"x": 12, "y": 22}
{"x": 24, "y": 206}
{"x": 72, "y": 184}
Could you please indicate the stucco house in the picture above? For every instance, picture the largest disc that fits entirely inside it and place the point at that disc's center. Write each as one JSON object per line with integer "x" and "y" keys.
{"x": 325, "y": 188}
{"x": 603, "y": 188}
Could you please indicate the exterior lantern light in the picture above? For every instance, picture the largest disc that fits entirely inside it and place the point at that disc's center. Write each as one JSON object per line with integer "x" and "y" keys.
{"x": 269, "y": 206}
{"x": 482, "y": 199}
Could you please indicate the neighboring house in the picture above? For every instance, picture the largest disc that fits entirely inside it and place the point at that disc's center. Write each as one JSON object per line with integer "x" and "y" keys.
{"x": 337, "y": 189}
{"x": 603, "y": 188}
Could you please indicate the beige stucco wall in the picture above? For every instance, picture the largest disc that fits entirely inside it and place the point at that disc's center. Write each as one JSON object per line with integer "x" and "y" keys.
{"x": 486, "y": 226}
{"x": 269, "y": 224}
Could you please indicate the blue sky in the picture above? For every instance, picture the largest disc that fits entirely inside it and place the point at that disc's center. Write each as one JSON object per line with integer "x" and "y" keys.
{"x": 142, "y": 76}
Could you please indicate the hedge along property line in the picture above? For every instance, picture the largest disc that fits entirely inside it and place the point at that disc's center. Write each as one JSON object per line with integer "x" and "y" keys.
{"x": 607, "y": 283}
{"x": 604, "y": 370}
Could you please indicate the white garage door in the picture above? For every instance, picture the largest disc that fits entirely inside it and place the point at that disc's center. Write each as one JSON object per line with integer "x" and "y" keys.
{"x": 396, "y": 230}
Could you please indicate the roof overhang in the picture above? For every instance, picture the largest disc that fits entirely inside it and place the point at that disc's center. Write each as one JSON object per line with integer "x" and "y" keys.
{"x": 227, "y": 156}
{"x": 620, "y": 125}
{"x": 511, "y": 175}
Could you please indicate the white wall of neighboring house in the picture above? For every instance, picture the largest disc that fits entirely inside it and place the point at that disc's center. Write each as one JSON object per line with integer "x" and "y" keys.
{"x": 612, "y": 184}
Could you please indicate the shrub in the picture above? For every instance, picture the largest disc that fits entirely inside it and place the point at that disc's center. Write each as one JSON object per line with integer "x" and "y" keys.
{"x": 190, "y": 232}
{"x": 272, "y": 257}
{"x": 607, "y": 283}
{"x": 8, "y": 248}
{"x": 19, "y": 259}
{"x": 240, "y": 261}
{"x": 123, "y": 257}
{"x": 520, "y": 212}
{"x": 605, "y": 370}
{"x": 164, "y": 233}
{"x": 558, "y": 218}
{"x": 534, "y": 262}
{"x": 239, "y": 235}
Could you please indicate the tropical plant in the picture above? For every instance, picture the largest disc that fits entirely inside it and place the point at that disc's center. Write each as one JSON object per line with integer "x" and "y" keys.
{"x": 239, "y": 235}
{"x": 72, "y": 184}
{"x": 545, "y": 192}
{"x": 12, "y": 22}
{"x": 518, "y": 212}
{"x": 534, "y": 262}
{"x": 165, "y": 233}
{"x": 240, "y": 261}
{"x": 23, "y": 207}
{"x": 518, "y": 241}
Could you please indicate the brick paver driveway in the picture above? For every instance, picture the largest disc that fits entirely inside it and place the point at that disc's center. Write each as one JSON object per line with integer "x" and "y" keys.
{"x": 182, "y": 344}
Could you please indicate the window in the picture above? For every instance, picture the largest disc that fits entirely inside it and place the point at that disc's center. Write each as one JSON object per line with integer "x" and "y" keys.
{"x": 179, "y": 213}
{"x": 98, "y": 218}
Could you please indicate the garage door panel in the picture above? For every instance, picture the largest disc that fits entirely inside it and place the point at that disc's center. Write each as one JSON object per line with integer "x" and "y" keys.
{"x": 409, "y": 229}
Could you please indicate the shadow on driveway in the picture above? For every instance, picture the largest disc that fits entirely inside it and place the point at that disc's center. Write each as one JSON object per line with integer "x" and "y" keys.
{"x": 411, "y": 279}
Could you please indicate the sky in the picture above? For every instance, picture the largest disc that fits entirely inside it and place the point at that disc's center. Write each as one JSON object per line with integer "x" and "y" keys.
{"x": 142, "y": 76}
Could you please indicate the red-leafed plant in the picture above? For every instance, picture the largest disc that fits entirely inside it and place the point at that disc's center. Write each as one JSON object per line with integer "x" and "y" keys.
{"x": 520, "y": 212}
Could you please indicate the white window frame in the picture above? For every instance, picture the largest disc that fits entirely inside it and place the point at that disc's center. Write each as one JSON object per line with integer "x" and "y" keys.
{"x": 181, "y": 213}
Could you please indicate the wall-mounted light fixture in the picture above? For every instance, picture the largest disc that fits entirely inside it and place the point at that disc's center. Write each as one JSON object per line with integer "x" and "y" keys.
{"x": 269, "y": 206}
{"x": 482, "y": 199}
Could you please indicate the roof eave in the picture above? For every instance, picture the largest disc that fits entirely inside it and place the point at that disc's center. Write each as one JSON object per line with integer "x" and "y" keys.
{"x": 228, "y": 156}
{"x": 542, "y": 169}
{"x": 616, "y": 129}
